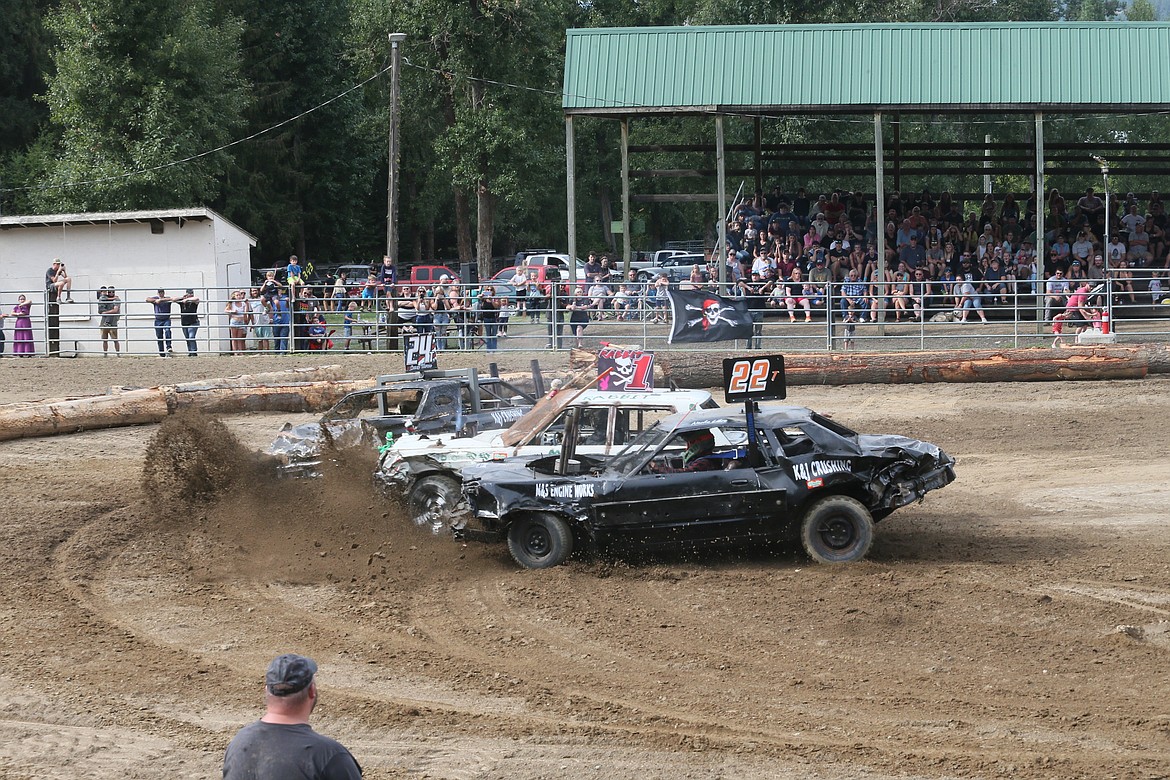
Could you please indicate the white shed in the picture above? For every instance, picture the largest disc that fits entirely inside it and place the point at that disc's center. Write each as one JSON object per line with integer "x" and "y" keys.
{"x": 136, "y": 252}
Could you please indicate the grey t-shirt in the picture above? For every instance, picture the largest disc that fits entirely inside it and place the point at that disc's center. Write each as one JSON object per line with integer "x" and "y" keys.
{"x": 273, "y": 751}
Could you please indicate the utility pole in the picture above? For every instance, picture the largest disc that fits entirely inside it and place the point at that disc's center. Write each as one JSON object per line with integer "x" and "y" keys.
{"x": 396, "y": 40}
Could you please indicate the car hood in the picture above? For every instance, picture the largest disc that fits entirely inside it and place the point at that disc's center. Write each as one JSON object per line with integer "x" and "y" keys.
{"x": 889, "y": 445}
{"x": 303, "y": 442}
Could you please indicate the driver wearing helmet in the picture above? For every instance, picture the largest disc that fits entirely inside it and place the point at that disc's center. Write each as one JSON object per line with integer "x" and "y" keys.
{"x": 696, "y": 456}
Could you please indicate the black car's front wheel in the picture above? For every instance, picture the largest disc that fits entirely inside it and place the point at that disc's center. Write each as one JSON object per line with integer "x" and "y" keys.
{"x": 540, "y": 541}
{"x": 436, "y": 503}
{"x": 837, "y": 529}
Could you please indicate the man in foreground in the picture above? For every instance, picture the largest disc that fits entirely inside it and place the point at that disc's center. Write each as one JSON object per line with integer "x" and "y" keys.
{"x": 282, "y": 745}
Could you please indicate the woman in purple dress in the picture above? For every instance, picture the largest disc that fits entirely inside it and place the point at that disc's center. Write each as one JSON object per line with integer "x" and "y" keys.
{"x": 22, "y": 335}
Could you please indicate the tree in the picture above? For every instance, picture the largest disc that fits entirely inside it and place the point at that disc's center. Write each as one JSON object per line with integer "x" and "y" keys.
{"x": 1141, "y": 11}
{"x": 296, "y": 185}
{"x": 139, "y": 85}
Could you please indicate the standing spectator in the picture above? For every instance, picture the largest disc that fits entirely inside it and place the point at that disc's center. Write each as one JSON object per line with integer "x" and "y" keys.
{"x": 261, "y": 320}
{"x": 3, "y": 315}
{"x": 370, "y": 293}
{"x": 109, "y": 309}
{"x": 303, "y": 307}
{"x": 162, "y": 321}
{"x": 239, "y": 314}
{"x": 22, "y": 334}
{"x": 352, "y": 317}
{"x": 661, "y": 297}
{"x": 340, "y": 292}
{"x": 1091, "y": 209}
{"x": 387, "y": 278}
{"x": 519, "y": 282}
{"x": 189, "y": 320}
{"x": 281, "y": 319}
{"x": 282, "y": 744}
{"x": 536, "y": 296}
{"x": 489, "y": 310}
{"x": 579, "y": 307}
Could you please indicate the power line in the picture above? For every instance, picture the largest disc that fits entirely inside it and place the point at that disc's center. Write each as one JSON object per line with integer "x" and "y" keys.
{"x": 173, "y": 163}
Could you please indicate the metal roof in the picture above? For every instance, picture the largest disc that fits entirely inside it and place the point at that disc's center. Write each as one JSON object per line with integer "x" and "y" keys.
{"x": 198, "y": 214}
{"x": 1051, "y": 66}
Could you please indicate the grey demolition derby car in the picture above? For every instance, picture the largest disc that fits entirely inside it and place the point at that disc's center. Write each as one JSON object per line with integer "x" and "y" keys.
{"x": 726, "y": 477}
{"x": 429, "y": 401}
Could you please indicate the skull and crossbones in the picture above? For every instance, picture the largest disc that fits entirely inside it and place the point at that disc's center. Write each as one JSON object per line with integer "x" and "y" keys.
{"x": 712, "y": 312}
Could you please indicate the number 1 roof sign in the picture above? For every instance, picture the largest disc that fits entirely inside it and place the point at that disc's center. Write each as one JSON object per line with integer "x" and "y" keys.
{"x": 754, "y": 378}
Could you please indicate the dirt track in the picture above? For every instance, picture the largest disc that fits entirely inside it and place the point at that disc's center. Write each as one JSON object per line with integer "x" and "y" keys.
{"x": 1016, "y": 624}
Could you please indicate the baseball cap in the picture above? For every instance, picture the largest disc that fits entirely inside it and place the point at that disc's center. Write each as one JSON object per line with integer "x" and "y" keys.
{"x": 190, "y": 290}
{"x": 56, "y": 261}
{"x": 820, "y": 260}
{"x": 444, "y": 278}
{"x": 289, "y": 673}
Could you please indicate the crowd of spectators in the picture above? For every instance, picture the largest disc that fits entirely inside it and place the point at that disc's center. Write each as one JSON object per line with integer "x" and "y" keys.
{"x": 941, "y": 253}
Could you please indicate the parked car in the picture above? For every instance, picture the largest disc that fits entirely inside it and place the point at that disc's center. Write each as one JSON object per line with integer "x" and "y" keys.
{"x": 429, "y": 275}
{"x": 502, "y": 281}
{"x": 428, "y": 401}
{"x": 676, "y": 267}
{"x": 424, "y": 468}
{"x": 355, "y": 277}
{"x": 697, "y": 480}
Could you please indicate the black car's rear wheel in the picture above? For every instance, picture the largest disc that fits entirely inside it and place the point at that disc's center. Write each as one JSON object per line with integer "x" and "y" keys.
{"x": 837, "y": 529}
{"x": 436, "y": 503}
{"x": 540, "y": 541}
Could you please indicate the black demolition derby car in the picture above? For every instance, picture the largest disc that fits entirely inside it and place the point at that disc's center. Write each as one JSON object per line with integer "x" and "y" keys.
{"x": 731, "y": 476}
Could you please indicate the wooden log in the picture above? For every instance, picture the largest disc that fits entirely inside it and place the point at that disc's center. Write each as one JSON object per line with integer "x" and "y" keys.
{"x": 705, "y": 369}
{"x": 151, "y": 405}
{"x": 1158, "y": 356}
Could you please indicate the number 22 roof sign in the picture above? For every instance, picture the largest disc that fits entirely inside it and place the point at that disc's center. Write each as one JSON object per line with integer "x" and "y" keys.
{"x": 754, "y": 378}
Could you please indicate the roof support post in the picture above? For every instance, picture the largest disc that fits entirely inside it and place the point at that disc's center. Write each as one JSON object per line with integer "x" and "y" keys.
{"x": 897, "y": 151}
{"x": 721, "y": 197}
{"x": 571, "y": 200}
{"x": 879, "y": 198}
{"x": 1040, "y": 247}
{"x": 756, "y": 161}
{"x": 625, "y": 198}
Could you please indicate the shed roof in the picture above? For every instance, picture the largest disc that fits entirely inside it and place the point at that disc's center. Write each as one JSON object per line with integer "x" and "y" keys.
{"x": 1052, "y": 66}
{"x": 196, "y": 214}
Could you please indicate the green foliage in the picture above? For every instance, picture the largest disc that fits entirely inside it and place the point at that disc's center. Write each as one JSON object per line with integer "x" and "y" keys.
{"x": 1141, "y": 11}
{"x": 296, "y": 186}
{"x": 139, "y": 84}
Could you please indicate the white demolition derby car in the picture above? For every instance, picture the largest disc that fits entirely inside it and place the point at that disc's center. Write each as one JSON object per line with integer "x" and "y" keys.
{"x": 424, "y": 468}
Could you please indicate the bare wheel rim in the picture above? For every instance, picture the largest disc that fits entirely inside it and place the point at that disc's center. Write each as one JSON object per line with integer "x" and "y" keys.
{"x": 536, "y": 541}
{"x": 837, "y": 532}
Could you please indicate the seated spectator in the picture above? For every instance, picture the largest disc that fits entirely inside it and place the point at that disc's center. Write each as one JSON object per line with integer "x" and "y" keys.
{"x": 994, "y": 285}
{"x": 900, "y": 293}
{"x": 624, "y": 303}
{"x": 853, "y": 297}
{"x": 599, "y": 295}
{"x": 1139, "y": 246}
{"x": 913, "y": 255}
{"x": 969, "y": 298}
{"x": 798, "y": 294}
{"x": 1056, "y": 291}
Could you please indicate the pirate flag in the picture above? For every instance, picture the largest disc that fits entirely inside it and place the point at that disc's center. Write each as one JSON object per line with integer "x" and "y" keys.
{"x": 702, "y": 316}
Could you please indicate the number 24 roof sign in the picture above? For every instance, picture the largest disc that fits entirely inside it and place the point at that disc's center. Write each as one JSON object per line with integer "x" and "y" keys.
{"x": 754, "y": 378}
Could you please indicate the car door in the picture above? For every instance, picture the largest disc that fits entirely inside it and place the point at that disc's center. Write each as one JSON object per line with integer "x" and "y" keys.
{"x": 651, "y": 510}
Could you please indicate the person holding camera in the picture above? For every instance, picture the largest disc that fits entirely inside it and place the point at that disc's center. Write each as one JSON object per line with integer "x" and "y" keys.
{"x": 189, "y": 319}
{"x": 109, "y": 307}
